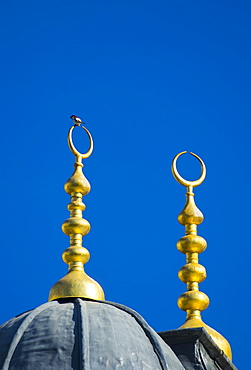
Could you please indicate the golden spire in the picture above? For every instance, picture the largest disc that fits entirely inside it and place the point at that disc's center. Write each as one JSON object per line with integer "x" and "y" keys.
{"x": 193, "y": 301}
{"x": 76, "y": 283}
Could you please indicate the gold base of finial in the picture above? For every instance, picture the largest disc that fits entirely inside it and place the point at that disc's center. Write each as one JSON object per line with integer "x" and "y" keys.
{"x": 76, "y": 284}
{"x": 222, "y": 343}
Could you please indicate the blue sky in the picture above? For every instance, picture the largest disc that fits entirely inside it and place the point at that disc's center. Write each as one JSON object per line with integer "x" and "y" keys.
{"x": 150, "y": 79}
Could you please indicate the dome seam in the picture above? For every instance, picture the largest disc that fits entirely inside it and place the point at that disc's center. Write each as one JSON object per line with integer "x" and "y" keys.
{"x": 83, "y": 339}
{"x": 147, "y": 330}
{"x": 20, "y": 331}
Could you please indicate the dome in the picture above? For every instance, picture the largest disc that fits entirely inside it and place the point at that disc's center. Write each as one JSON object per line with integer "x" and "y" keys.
{"x": 82, "y": 334}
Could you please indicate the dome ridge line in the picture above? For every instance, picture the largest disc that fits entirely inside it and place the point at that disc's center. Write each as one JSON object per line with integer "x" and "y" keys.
{"x": 18, "y": 335}
{"x": 83, "y": 338}
{"x": 149, "y": 332}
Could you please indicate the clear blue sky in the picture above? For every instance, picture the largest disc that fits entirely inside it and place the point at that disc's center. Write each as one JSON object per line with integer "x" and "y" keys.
{"x": 150, "y": 79}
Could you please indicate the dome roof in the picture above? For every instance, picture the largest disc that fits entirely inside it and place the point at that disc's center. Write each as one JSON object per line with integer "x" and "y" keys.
{"x": 82, "y": 334}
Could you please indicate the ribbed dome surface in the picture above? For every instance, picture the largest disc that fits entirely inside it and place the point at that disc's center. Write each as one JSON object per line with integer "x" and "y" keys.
{"x": 82, "y": 334}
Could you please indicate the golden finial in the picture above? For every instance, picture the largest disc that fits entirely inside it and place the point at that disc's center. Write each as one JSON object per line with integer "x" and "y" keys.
{"x": 76, "y": 283}
{"x": 193, "y": 301}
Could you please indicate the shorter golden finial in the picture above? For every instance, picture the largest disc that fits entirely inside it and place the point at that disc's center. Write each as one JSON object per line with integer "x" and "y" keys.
{"x": 76, "y": 283}
{"x": 193, "y": 301}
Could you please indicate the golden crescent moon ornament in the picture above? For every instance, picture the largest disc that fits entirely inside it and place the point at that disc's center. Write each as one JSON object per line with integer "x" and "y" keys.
{"x": 183, "y": 181}
{"x": 73, "y": 148}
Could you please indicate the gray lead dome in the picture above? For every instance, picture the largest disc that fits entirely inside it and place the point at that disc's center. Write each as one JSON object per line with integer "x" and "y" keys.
{"x": 82, "y": 334}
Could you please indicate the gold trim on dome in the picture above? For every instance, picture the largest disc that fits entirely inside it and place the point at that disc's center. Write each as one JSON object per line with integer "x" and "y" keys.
{"x": 193, "y": 301}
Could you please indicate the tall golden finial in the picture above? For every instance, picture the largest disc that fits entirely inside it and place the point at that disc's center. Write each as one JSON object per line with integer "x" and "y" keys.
{"x": 194, "y": 301}
{"x": 76, "y": 283}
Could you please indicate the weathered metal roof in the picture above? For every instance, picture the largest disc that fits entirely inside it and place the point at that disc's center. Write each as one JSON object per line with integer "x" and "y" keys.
{"x": 83, "y": 334}
{"x": 196, "y": 349}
